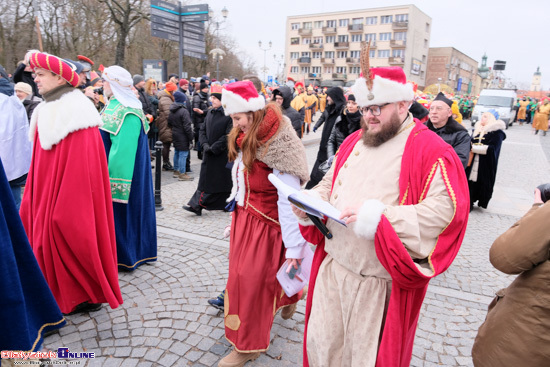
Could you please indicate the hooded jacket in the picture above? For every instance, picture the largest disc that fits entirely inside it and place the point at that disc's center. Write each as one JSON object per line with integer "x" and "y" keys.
{"x": 456, "y": 136}
{"x": 180, "y": 122}
{"x": 345, "y": 125}
{"x": 295, "y": 117}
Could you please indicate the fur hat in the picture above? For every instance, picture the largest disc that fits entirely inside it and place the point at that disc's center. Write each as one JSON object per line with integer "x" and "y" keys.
{"x": 66, "y": 69}
{"x": 389, "y": 84}
{"x": 23, "y": 87}
{"x": 241, "y": 97}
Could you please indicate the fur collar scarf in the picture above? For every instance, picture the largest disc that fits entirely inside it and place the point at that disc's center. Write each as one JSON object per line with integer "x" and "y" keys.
{"x": 450, "y": 127}
{"x": 492, "y": 125}
{"x": 55, "y": 120}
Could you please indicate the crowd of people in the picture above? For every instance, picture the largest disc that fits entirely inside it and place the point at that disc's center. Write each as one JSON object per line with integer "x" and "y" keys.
{"x": 399, "y": 166}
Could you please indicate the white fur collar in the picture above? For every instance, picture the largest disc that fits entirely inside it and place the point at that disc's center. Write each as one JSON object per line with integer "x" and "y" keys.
{"x": 493, "y": 126}
{"x": 237, "y": 176}
{"x": 57, "y": 119}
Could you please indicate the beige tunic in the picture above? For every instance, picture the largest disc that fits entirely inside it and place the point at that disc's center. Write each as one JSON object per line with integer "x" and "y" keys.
{"x": 352, "y": 287}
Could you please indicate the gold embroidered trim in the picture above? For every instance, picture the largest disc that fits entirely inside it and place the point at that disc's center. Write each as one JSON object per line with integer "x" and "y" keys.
{"x": 226, "y": 303}
{"x": 132, "y": 266}
{"x": 406, "y": 127}
{"x": 42, "y": 328}
{"x": 252, "y": 206}
{"x": 246, "y": 351}
{"x": 428, "y": 181}
{"x": 405, "y": 196}
{"x": 453, "y": 198}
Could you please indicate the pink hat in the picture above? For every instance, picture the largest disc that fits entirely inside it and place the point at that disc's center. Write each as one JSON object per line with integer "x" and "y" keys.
{"x": 241, "y": 97}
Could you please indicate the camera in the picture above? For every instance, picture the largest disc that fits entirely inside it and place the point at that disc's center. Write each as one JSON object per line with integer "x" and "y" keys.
{"x": 99, "y": 90}
{"x": 544, "y": 192}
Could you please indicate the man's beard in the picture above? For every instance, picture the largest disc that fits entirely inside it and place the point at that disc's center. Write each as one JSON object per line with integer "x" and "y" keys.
{"x": 387, "y": 131}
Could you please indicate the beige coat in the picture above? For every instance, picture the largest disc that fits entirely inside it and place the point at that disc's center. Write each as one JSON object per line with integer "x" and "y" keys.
{"x": 516, "y": 331}
{"x": 165, "y": 132}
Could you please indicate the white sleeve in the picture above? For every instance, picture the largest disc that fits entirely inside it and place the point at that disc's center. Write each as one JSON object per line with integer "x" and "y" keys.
{"x": 292, "y": 238}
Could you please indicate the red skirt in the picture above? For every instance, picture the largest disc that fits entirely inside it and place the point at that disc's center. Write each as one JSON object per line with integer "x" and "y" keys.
{"x": 253, "y": 294}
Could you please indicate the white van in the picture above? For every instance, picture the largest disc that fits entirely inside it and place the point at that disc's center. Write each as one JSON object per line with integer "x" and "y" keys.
{"x": 501, "y": 100}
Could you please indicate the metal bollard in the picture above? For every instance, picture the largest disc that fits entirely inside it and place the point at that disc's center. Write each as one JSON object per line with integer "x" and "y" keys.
{"x": 158, "y": 171}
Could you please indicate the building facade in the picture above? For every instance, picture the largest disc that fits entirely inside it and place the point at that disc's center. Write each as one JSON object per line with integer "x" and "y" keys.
{"x": 325, "y": 48}
{"x": 447, "y": 65}
{"x": 535, "y": 83}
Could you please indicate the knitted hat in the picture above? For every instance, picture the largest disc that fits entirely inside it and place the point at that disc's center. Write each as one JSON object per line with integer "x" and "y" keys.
{"x": 170, "y": 87}
{"x": 64, "y": 68}
{"x": 179, "y": 97}
{"x": 241, "y": 97}
{"x": 23, "y": 87}
{"x": 351, "y": 97}
{"x": 441, "y": 97}
{"x": 183, "y": 82}
{"x": 203, "y": 85}
{"x": 138, "y": 79}
{"x": 389, "y": 84}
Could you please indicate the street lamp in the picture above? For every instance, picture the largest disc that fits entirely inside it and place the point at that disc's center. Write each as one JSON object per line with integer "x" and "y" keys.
{"x": 279, "y": 62}
{"x": 265, "y": 52}
{"x": 217, "y": 52}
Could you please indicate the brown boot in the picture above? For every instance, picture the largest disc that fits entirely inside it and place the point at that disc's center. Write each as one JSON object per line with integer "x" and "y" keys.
{"x": 176, "y": 174}
{"x": 289, "y": 310}
{"x": 237, "y": 359}
{"x": 185, "y": 177}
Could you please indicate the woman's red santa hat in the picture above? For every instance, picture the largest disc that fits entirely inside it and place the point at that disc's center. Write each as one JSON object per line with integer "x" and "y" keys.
{"x": 241, "y": 97}
{"x": 380, "y": 85}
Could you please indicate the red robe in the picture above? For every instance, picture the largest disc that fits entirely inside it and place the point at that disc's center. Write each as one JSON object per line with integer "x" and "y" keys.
{"x": 67, "y": 212}
{"x": 409, "y": 285}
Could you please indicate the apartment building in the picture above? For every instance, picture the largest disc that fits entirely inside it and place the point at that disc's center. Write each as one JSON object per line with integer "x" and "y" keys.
{"x": 449, "y": 66}
{"x": 326, "y": 47}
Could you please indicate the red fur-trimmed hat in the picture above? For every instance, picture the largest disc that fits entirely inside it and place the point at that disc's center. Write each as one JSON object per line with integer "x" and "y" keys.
{"x": 389, "y": 84}
{"x": 56, "y": 65}
{"x": 241, "y": 97}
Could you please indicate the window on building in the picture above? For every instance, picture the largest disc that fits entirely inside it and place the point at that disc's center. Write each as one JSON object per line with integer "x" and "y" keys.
{"x": 306, "y": 41}
{"x": 331, "y": 23}
{"x": 428, "y": 27}
{"x": 423, "y": 59}
{"x": 329, "y": 69}
{"x": 343, "y": 38}
{"x": 402, "y": 18}
{"x": 355, "y": 54}
{"x": 295, "y": 41}
{"x": 307, "y": 25}
{"x": 370, "y": 37}
{"x": 425, "y": 43}
{"x": 318, "y": 40}
{"x": 357, "y": 21}
{"x": 341, "y": 54}
{"x": 305, "y": 70}
{"x": 341, "y": 69}
{"x": 385, "y": 36}
{"x": 398, "y": 53}
{"x": 372, "y": 53}
{"x": 329, "y": 54}
{"x": 386, "y": 19}
{"x": 330, "y": 39}
{"x": 294, "y": 55}
{"x": 306, "y": 54}
{"x": 294, "y": 69}
{"x": 383, "y": 53}
{"x": 371, "y": 20}
{"x": 317, "y": 55}
{"x": 343, "y": 22}
{"x": 356, "y": 37}
{"x": 295, "y": 26}
{"x": 400, "y": 36}
{"x": 318, "y": 24}
{"x": 355, "y": 70}
{"x": 316, "y": 69}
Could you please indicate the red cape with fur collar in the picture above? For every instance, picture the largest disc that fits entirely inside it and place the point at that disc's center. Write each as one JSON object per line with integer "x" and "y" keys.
{"x": 424, "y": 152}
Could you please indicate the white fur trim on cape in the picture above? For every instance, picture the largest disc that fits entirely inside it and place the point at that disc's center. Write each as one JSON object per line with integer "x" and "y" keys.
{"x": 57, "y": 119}
{"x": 237, "y": 176}
{"x": 368, "y": 218}
{"x": 384, "y": 91}
{"x": 234, "y": 103}
{"x": 493, "y": 126}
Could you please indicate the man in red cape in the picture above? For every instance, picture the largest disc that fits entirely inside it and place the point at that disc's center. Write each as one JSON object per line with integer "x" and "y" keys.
{"x": 404, "y": 195}
{"x": 67, "y": 208}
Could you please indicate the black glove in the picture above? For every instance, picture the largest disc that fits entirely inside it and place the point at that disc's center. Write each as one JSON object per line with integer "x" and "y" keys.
{"x": 206, "y": 147}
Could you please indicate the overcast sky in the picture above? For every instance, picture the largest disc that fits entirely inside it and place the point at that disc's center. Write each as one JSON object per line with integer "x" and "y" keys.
{"x": 513, "y": 31}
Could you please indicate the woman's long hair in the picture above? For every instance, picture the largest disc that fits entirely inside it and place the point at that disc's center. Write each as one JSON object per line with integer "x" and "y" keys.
{"x": 250, "y": 142}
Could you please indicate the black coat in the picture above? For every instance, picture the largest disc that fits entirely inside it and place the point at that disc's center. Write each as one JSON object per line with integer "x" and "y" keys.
{"x": 182, "y": 130}
{"x": 30, "y": 105}
{"x": 295, "y": 117}
{"x": 456, "y": 136}
{"x": 200, "y": 101}
{"x": 215, "y": 177}
{"x": 20, "y": 75}
{"x": 328, "y": 118}
{"x": 146, "y": 103}
{"x": 344, "y": 126}
{"x": 482, "y": 189}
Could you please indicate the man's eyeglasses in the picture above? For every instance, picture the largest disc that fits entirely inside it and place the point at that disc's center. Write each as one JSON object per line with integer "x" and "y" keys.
{"x": 439, "y": 108}
{"x": 375, "y": 110}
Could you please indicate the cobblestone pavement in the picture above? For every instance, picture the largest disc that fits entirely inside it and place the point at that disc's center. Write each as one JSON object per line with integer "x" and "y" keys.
{"x": 165, "y": 320}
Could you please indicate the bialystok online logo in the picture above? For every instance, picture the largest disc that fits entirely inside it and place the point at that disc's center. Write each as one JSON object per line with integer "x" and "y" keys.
{"x": 64, "y": 353}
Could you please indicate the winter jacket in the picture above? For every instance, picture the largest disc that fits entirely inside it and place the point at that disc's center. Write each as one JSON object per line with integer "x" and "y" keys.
{"x": 515, "y": 332}
{"x": 165, "y": 101}
{"x": 180, "y": 123}
{"x": 30, "y": 104}
{"x": 200, "y": 101}
{"x": 456, "y": 136}
{"x": 345, "y": 124}
{"x": 20, "y": 75}
{"x": 146, "y": 102}
{"x": 295, "y": 117}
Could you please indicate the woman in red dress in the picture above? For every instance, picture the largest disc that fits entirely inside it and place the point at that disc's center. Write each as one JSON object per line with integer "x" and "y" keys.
{"x": 264, "y": 232}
